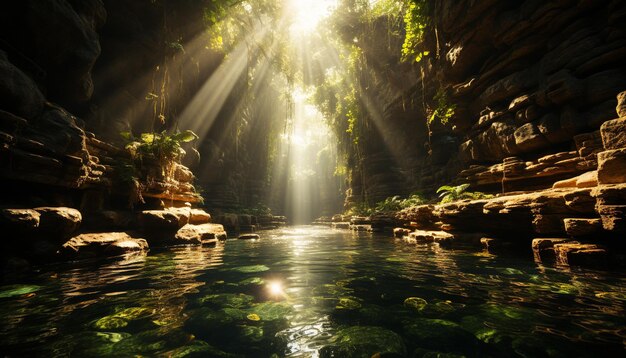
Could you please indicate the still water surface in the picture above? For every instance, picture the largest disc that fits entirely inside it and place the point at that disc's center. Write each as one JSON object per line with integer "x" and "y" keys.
{"x": 308, "y": 292}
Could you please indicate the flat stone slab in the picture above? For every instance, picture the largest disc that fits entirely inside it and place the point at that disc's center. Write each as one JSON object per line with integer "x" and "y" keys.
{"x": 103, "y": 244}
{"x": 249, "y": 237}
{"x": 576, "y": 254}
{"x": 204, "y": 234}
{"x": 341, "y": 225}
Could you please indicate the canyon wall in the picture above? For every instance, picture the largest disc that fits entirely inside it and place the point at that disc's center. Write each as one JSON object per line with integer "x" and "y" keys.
{"x": 531, "y": 82}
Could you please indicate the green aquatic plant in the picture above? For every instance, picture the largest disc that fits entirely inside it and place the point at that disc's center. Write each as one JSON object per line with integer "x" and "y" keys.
{"x": 250, "y": 268}
{"x": 449, "y": 194}
{"x": 365, "y": 341}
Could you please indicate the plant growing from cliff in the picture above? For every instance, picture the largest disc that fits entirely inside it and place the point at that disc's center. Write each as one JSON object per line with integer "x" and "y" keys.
{"x": 165, "y": 148}
{"x": 396, "y": 203}
{"x": 450, "y": 194}
{"x": 416, "y": 21}
{"x": 444, "y": 110}
{"x": 361, "y": 209}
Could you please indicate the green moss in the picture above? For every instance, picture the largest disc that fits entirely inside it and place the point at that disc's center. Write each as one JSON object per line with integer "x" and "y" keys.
{"x": 415, "y": 303}
{"x": 364, "y": 341}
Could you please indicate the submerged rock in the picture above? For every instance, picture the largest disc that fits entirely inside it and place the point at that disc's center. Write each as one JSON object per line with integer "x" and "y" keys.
{"x": 364, "y": 341}
{"x": 249, "y": 237}
{"x": 441, "y": 335}
{"x": 576, "y": 254}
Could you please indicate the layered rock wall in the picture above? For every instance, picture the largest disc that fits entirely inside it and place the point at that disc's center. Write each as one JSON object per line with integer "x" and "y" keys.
{"x": 531, "y": 82}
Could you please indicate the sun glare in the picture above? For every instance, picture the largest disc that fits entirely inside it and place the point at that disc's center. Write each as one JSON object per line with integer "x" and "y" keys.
{"x": 307, "y": 14}
{"x": 275, "y": 288}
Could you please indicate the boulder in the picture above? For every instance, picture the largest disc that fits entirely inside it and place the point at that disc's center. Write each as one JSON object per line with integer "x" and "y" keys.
{"x": 183, "y": 214}
{"x": 161, "y": 221}
{"x": 204, "y": 234}
{"x": 529, "y": 138}
{"x": 59, "y": 222}
{"x": 614, "y": 133}
{"x": 441, "y": 237}
{"x": 543, "y": 249}
{"x": 109, "y": 219}
{"x": 199, "y": 216}
{"x": 576, "y": 254}
{"x": 102, "y": 244}
{"x": 576, "y": 227}
{"x": 60, "y": 39}
{"x": 19, "y": 220}
{"x": 612, "y": 166}
{"x": 18, "y": 93}
{"x": 400, "y": 232}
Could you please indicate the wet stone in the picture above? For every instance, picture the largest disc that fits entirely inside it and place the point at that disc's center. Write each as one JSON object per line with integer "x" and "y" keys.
{"x": 364, "y": 341}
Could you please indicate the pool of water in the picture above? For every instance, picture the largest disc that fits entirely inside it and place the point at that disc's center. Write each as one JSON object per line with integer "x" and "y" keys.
{"x": 313, "y": 292}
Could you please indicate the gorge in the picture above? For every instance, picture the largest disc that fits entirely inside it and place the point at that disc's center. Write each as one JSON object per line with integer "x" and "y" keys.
{"x": 487, "y": 139}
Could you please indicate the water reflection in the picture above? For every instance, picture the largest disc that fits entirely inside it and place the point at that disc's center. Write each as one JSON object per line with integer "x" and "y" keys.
{"x": 307, "y": 291}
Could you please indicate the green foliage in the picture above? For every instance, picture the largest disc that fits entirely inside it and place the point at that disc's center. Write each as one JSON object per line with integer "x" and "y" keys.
{"x": 416, "y": 20}
{"x": 396, "y": 203}
{"x": 361, "y": 209}
{"x": 161, "y": 146}
{"x": 259, "y": 209}
{"x": 450, "y": 194}
{"x": 445, "y": 109}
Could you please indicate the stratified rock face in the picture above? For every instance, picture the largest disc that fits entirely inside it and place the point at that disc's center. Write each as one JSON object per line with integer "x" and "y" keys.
{"x": 57, "y": 40}
{"x": 18, "y": 92}
{"x": 612, "y": 166}
{"x": 614, "y": 133}
{"x": 532, "y": 83}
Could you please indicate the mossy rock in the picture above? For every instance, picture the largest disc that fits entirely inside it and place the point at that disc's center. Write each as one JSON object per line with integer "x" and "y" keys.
{"x": 250, "y": 269}
{"x": 212, "y": 324}
{"x": 199, "y": 349}
{"x": 251, "y": 333}
{"x": 364, "y": 341}
{"x": 424, "y": 353}
{"x": 235, "y": 300}
{"x": 110, "y": 322}
{"x": 441, "y": 335}
{"x": 415, "y": 303}
{"x": 134, "y": 313}
{"x": 348, "y": 303}
{"x": 271, "y": 311}
{"x": 18, "y": 290}
{"x": 256, "y": 281}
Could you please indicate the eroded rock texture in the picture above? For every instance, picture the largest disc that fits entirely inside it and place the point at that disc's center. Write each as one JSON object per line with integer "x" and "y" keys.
{"x": 532, "y": 83}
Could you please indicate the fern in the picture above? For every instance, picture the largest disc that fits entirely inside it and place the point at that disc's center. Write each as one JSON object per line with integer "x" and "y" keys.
{"x": 448, "y": 194}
